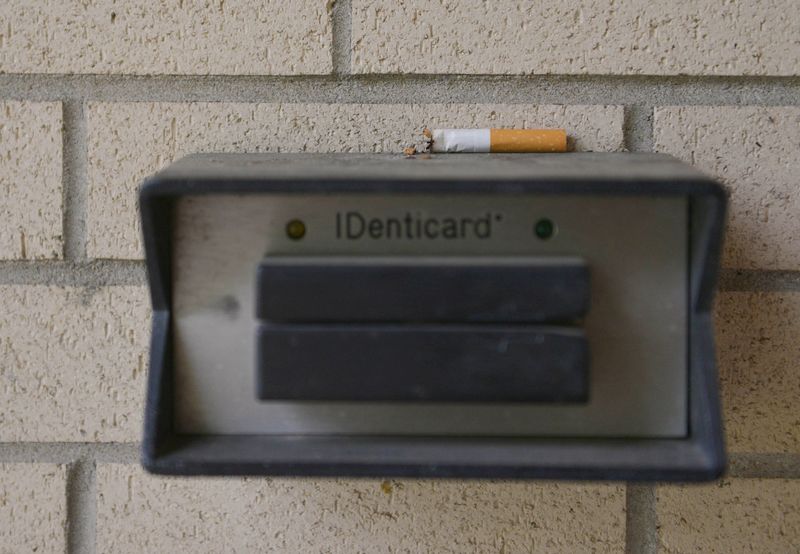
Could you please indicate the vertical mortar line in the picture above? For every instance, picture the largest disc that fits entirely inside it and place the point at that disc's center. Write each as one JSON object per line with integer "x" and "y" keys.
{"x": 638, "y": 128}
{"x": 74, "y": 179}
{"x": 342, "y": 25}
{"x": 81, "y": 506}
{"x": 640, "y": 519}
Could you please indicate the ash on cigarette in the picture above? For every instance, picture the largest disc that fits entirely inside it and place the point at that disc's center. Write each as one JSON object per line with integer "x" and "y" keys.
{"x": 427, "y": 139}
{"x": 421, "y": 147}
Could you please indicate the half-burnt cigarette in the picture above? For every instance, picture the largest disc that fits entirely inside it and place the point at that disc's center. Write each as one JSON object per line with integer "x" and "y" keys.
{"x": 498, "y": 140}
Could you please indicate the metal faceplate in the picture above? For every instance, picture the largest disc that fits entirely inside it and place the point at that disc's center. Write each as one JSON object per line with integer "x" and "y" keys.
{"x": 637, "y": 327}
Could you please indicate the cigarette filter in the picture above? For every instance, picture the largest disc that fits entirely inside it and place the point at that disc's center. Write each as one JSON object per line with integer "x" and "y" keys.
{"x": 499, "y": 140}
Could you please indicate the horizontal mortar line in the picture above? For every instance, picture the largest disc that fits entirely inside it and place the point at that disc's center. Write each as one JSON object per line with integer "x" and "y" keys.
{"x": 96, "y": 273}
{"x": 68, "y": 452}
{"x": 404, "y": 88}
{"x": 759, "y": 280}
{"x": 766, "y": 466}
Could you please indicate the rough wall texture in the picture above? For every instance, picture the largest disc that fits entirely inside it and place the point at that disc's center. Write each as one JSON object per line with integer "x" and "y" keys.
{"x": 753, "y": 150}
{"x": 733, "y": 515}
{"x": 705, "y": 37}
{"x": 74, "y": 362}
{"x": 30, "y": 176}
{"x": 141, "y": 37}
{"x": 33, "y": 508}
{"x": 325, "y": 515}
{"x": 96, "y": 95}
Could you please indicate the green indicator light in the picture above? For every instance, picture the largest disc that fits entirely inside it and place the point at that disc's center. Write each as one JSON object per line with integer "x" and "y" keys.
{"x": 295, "y": 229}
{"x": 544, "y": 229}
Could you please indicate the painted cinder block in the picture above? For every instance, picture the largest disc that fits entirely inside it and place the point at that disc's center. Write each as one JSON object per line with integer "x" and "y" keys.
{"x": 758, "y": 350}
{"x": 732, "y": 515}
{"x": 30, "y": 180}
{"x": 138, "y": 512}
{"x": 599, "y": 37}
{"x": 164, "y": 37}
{"x": 33, "y": 508}
{"x": 753, "y": 151}
{"x": 72, "y": 363}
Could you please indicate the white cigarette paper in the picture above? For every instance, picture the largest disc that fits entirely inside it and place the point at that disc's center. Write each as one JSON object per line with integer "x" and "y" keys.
{"x": 461, "y": 140}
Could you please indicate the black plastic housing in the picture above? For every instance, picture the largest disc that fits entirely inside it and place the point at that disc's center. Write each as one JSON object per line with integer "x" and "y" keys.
{"x": 699, "y": 456}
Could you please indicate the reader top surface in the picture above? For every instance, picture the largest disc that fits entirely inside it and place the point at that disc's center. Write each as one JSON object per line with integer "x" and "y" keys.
{"x": 497, "y": 167}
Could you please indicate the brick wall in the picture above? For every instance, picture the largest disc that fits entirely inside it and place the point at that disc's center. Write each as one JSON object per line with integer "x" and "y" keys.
{"x": 96, "y": 95}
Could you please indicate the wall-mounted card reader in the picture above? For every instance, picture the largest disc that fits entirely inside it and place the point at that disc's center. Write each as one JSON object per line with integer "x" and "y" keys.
{"x": 482, "y": 316}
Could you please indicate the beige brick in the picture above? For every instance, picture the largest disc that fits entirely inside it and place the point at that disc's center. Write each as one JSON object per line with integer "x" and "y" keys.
{"x": 733, "y": 515}
{"x": 138, "y": 512}
{"x": 129, "y": 141}
{"x": 30, "y": 180}
{"x": 33, "y": 508}
{"x": 72, "y": 363}
{"x": 147, "y": 37}
{"x": 704, "y": 37}
{"x": 753, "y": 150}
{"x": 758, "y": 350}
